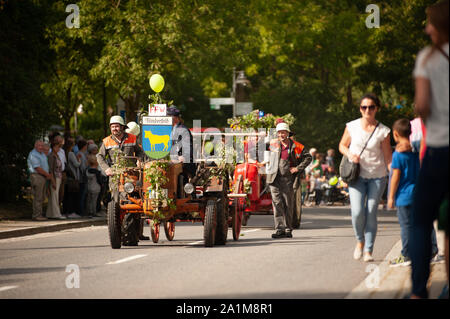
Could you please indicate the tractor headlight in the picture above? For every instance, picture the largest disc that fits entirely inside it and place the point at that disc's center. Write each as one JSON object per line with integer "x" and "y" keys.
{"x": 189, "y": 188}
{"x": 128, "y": 187}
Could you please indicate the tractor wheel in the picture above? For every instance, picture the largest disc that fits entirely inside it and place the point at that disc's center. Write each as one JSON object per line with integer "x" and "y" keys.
{"x": 210, "y": 223}
{"x": 297, "y": 218}
{"x": 222, "y": 222}
{"x": 169, "y": 229}
{"x": 154, "y": 231}
{"x": 114, "y": 228}
{"x": 238, "y": 209}
{"x": 130, "y": 230}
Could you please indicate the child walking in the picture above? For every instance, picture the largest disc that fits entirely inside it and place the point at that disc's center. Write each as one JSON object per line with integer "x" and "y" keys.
{"x": 405, "y": 170}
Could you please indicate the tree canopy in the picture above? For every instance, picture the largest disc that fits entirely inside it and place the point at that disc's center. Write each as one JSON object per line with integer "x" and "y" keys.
{"x": 313, "y": 59}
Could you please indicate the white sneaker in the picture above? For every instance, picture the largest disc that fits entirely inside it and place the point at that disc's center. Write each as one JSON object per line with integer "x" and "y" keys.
{"x": 74, "y": 216}
{"x": 357, "y": 254}
{"x": 368, "y": 257}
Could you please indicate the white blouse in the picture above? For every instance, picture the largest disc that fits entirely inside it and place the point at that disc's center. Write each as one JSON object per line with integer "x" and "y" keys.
{"x": 436, "y": 70}
{"x": 372, "y": 162}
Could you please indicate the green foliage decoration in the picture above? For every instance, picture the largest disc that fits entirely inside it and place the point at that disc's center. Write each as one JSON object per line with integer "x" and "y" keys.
{"x": 119, "y": 166}
{"x": 252, "y": 120}
{"x": 155, "y": 175}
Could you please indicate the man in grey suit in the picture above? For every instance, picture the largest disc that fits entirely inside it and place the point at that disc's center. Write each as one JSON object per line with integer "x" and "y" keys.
{"x": 289, "y": 160}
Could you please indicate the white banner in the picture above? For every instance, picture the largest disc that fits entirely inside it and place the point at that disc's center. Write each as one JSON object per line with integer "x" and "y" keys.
{"x": 157, "y": 120}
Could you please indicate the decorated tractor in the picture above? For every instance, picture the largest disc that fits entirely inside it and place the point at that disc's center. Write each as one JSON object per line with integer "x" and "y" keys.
{"x": 160, "y": 190}
{"x": 156, "y": 192}
{"x": 250, "y": 176}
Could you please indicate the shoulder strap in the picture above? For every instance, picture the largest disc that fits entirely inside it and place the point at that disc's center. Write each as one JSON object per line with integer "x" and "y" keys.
{"x": 369, "y": 139}
{"x": 443, "y": 52}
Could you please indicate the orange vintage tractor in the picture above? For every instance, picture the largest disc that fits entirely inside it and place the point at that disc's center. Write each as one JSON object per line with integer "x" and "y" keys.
{"x": 132, "y": 201}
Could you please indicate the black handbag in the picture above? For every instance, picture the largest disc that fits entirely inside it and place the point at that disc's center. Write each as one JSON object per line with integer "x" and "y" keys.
{"x": 349, "y": 171}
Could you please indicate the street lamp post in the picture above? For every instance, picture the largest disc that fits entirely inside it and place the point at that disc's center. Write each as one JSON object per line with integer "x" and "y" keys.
{"x": 239, "y": 78}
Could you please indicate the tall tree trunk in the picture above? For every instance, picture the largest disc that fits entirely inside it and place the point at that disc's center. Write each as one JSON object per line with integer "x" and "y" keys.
{"x": 105, "y": 128}
{"x": 132, "y": 106}
{"x": 349, "y": 95}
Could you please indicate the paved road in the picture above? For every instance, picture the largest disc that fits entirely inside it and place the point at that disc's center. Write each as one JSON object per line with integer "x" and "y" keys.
{"x": 316, "y": 263}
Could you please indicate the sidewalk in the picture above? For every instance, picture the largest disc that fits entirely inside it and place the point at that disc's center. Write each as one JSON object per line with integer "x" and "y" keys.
{"x": 385, "y": 282}
{"x": 26, "y": 227}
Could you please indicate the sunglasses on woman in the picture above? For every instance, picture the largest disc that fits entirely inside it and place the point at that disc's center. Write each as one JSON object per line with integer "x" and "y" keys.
{"x": 370, "y": 107}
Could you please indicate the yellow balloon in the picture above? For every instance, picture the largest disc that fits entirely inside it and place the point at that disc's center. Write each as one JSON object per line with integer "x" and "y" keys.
{"x": 156, "y": 82}
{"x": 209, "y": 147}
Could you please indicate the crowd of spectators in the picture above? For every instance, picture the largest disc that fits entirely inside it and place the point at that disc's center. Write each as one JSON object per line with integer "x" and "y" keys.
{"x": 66, "y": 172}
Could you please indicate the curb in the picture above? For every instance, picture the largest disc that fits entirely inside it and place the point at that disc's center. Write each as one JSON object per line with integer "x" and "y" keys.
{"x": 384, "y": 284}
{"x": 51, "y": 228}
{"x": 395, "y": 282}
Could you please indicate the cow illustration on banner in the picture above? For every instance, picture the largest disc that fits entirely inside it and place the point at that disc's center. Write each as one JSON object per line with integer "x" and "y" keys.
{"x": 157, "y": 136}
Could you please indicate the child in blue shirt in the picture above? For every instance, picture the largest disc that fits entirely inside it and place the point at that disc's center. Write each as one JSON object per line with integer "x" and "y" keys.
{"x": 405, "y": 170}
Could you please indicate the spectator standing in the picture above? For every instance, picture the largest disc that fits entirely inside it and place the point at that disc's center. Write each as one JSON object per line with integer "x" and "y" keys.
{"x": 39, "y": 174}
{"x": 431, "y": 73}
{"x": 331, "y": 170}
{"x": 55, "y": 170}
{"x": 317, "y": 164}
{"x": 93, "y": 185}
{"x": 62, "y": 156}
{"x": 75, "y": 147}
{"x": 317, "y": 188}
{"x": 365, "y": 192}
{"x": 73, "y": 181}
{"x": 82, "y": 155}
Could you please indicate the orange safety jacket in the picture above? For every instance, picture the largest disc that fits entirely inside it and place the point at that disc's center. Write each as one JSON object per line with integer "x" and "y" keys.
{"x": 295, "y": 150}
{"x": 129, "y": 146}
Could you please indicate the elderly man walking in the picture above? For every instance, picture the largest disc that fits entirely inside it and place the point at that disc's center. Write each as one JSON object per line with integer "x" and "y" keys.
{"x": 39, "y": 174}
{"x": 290, "y": 159}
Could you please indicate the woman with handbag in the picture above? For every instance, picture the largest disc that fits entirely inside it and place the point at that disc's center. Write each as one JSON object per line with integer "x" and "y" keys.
{"x": 367, "y": 145}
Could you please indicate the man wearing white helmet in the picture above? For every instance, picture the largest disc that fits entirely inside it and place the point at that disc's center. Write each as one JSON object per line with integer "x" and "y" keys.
{"x": 119, "y": 139}
{"x": 128, "y": 144}
{"x": 291, "y": 159}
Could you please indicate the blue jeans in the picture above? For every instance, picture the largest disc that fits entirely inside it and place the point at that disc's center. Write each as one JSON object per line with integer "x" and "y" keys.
{"x": 365, "y": 195}
{"x": 431, "y": 187}
{"x": 404, "y": 219}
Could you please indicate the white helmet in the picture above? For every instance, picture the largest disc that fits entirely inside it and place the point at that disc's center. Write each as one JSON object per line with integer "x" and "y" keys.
{"x": 133, "y": 128}
{"x": 282, "y": 127}
{"x": 117, "y": 119}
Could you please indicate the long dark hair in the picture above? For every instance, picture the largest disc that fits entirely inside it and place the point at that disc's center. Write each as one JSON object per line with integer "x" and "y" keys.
{"x": 437, "y": 15}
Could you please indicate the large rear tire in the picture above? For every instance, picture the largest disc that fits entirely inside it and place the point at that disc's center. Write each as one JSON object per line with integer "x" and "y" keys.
{"x": 114, "y": 225}
{"x": 210, "y": 223}
{"x": 222, "y": 222}
{"x": 297, "y": 218}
